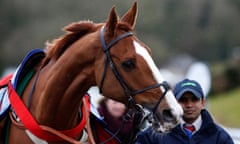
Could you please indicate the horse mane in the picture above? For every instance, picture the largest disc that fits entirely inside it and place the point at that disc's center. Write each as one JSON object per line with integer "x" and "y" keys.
{"x": 74, "y": 31}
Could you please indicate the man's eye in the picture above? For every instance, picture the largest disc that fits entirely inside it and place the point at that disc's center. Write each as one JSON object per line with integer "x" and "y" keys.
{"x": 195, "y": 99}
{"x": 182, "y": 99}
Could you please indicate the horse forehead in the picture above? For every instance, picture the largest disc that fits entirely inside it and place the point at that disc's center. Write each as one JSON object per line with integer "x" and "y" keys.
{"x": 146, "y": 56}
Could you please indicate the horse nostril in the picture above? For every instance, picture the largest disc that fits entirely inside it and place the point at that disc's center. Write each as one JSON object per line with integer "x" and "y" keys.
{"x": 167, "y": 115}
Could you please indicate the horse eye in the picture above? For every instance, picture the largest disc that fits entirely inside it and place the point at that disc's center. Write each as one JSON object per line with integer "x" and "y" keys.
{"x": 128, "y": 65}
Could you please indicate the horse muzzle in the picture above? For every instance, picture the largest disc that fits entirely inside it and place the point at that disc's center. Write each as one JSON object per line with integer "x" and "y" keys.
{"x": 163, "y": 121}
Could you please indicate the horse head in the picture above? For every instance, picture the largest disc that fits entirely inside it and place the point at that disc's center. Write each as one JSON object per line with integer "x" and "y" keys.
{"x": 127, "y": 72}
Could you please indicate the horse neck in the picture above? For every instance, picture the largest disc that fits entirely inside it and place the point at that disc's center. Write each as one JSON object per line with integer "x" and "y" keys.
{"x": 60, "y": 88}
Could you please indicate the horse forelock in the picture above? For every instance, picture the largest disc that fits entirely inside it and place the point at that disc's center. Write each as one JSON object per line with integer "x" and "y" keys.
{"x": 74, "y": 31}
{"x": 120, "y": 28}
{"x": 124, "y": 26}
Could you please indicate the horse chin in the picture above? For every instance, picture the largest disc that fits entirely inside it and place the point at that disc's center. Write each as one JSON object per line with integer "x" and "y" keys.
{"x": 165, "y": 127}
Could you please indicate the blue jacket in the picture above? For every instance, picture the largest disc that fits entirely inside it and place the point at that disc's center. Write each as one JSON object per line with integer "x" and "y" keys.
{"x": 209, "y": 133}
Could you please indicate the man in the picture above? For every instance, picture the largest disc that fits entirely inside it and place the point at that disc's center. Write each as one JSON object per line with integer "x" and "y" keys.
{"x": 196, "y": 126}
{"x": 113, "y": 113}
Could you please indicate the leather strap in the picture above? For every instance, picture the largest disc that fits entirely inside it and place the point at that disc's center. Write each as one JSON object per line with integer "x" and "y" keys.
{"x": 39, "y": 130}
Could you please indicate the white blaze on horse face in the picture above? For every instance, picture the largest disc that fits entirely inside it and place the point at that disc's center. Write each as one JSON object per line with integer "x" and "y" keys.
{"x": 172, "y": 102}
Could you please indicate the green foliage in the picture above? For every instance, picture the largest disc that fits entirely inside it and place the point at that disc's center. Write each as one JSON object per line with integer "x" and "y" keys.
{"x": 225, "y": 108}
{"x": 206, "y": 29}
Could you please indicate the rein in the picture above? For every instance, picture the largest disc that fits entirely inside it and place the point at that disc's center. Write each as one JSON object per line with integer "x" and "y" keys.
{"x": 128, "y": 92}
{"x": 41, "y": 131}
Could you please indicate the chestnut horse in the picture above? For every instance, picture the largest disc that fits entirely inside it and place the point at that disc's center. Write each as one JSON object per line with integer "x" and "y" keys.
{"x": 107, "y": 55}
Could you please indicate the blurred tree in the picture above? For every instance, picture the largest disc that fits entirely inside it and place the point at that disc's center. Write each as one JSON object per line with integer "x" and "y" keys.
{"x": 206, "y": 29}
{"x": 205, "y": 13}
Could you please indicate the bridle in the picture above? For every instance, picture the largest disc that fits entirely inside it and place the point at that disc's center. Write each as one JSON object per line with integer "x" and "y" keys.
{"x": 127, "y": 90}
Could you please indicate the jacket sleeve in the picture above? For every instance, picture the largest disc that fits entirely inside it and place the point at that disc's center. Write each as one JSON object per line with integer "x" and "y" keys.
{"x": 147, "y": 137}
{"x": 224, "y": 137}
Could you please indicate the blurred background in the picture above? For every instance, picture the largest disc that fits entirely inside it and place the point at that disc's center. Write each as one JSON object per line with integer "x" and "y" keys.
{"x": 189, "y": 38}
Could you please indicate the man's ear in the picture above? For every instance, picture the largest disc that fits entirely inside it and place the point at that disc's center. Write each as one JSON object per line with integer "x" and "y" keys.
{"x": 203, "y": 101}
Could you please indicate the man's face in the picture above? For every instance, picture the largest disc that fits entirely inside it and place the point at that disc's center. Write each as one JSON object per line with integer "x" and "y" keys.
{"x": 192, "y": 106}
{"x": 116, "y": 109}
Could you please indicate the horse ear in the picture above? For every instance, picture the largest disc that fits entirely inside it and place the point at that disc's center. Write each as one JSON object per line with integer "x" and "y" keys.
{"x": 112, "y": 21}
{"x": 131, "y": 15}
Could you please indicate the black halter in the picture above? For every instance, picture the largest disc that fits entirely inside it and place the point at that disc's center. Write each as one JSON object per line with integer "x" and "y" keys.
{"x": 128, "y": 92}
